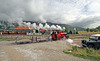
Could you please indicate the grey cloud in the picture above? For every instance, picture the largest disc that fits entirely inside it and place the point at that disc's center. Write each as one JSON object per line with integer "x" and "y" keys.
{"x": 58, "y": 11}
{"x": 89, "y": 22}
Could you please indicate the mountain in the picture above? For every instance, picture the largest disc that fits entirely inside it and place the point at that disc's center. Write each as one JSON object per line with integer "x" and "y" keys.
{"x": 67, "y": 26}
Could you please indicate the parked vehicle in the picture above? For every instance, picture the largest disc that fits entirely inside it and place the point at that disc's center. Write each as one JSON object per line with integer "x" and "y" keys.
{"x": 93, "y": 42}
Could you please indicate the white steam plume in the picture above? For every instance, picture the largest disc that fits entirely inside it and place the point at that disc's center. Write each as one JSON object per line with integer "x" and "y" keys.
{"x": 28, "y": 24}
{"x": 40, "y": 26}
{"x": 53, "y": 27}
{"x": 34, "y": 25}
{"x": 64, "y": 28}
{"x": 58, "y": 27}
{"x": 46, "y": 26}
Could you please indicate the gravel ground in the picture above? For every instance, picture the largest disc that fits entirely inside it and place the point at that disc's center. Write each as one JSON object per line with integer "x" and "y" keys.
{"x": 42, "y": 51}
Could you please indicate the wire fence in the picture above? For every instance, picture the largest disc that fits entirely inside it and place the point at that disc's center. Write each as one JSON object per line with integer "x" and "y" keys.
{"x": 17, "y": 38}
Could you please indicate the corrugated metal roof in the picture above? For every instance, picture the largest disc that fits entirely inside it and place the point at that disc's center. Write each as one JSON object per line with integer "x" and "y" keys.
{"x": 22, "y": 27}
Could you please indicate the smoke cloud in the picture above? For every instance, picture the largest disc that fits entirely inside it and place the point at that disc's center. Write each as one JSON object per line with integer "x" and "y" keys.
{"x": 81, "y": 13}
{"x": 46, "y": 26}
{"x": 58, "y": 27}
{"x": 53, "y": 27}
{"x": 34, "y": 25}
{"x": 40, "y": 26}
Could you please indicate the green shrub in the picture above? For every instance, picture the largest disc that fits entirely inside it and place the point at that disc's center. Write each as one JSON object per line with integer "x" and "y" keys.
{"x": 75, "y": 48}
{"x": 86, "y": 53}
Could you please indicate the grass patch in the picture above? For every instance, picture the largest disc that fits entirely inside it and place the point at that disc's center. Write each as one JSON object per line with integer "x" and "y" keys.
{"x": 79, "y": 37}
{"x": 85, "y": 32}
{"x": 85, "y": 38}
{"x": 86, "y": 53}
{"x": 7, "y": 39}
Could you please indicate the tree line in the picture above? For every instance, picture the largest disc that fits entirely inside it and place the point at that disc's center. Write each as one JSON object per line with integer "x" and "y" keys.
{"x": 71, "y": 31}
{"x": 97, "y": 29}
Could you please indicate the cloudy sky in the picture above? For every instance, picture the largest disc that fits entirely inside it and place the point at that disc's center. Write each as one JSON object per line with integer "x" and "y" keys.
{"x": 81, "y": 13}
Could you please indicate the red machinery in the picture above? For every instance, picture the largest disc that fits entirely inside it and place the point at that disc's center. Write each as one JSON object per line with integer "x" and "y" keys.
{"x": 57, "y": 35}
{"x": 13, "y": 33}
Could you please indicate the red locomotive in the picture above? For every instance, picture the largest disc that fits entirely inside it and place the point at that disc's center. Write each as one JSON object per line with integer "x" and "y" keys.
{"x": 57, "y": 35}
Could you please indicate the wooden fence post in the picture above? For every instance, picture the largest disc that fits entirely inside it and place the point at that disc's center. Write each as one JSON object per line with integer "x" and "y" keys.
{"x": 36, "y": 38}
{"x": 32, "y": 38}
{"x": 48, "y": 38}
{"x": 4, "y": 38}
{"x": 16, "y": 39}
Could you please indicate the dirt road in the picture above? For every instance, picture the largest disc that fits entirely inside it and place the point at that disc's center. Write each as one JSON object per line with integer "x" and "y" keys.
{"x": 43, "y": 51}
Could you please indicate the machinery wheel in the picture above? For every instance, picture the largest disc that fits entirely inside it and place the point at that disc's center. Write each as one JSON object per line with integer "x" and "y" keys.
{"x": 91, "y": 46}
